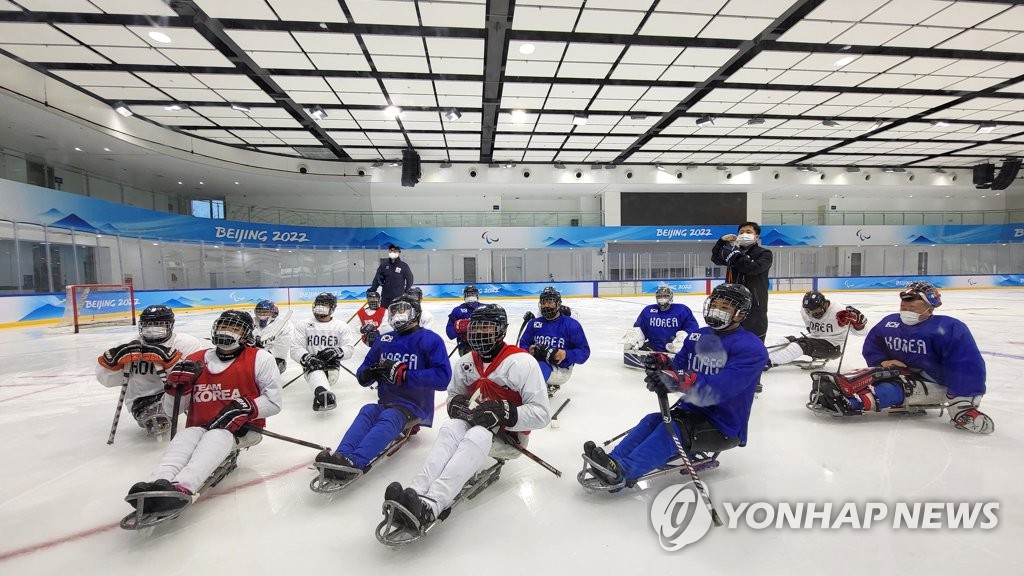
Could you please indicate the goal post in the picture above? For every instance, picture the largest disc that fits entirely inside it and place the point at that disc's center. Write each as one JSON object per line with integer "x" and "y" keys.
{"x": 98, "y": 304}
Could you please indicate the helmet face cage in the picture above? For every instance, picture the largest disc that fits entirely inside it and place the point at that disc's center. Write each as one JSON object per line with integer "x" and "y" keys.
{"x": 372, "y": 300}
{"x": 232, "y": 330}
{"x": 663, "y": 297}
{"x": 324, "y": 305}
{"x": 550, "y": 302}
{"x": 814, "y": 302}
{"x": 156, "y": 323}
{"x": 265, "y": 312}
{"x": 736, "y": 296}
{"x": 923, "y": 291}
{"x": 484, "y": 334}
{"x": 416, "y": 293}
{"x": 470, "y": 294}
{"x": 402, "y": 314}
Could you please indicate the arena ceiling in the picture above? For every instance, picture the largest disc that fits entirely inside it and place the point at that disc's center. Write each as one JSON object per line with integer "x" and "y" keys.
{"x": 866, "y": 83}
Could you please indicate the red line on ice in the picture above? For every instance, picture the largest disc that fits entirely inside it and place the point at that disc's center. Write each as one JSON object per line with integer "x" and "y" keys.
{"x": 34, "y": 392}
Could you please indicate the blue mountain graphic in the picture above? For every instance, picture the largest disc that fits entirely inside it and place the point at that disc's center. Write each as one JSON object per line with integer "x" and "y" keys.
{"x": 44, "y": 312}
{"x": 73, "y": 221}
{"x": 774, "y": 238}
{"x": 921, "y": 240}
{"x": 426, "y": 240}
{"x": 562, "y": 243}
{"x": 53, "y": 213}
{"x": 382, "y": 239}
{"x": 175, "y": 303}
{"x": 109, "y": 228}
{"x": 810, "y": 237}
{"x": 548, "y": 239}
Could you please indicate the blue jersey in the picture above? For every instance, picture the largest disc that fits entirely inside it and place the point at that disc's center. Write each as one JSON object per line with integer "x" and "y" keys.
{"x": 728, "y": 367}
{"x": 660, "y": 327}
{"x": 428, "y": 370}
{"x": 461, "y": 312}
{"x": 941, "y": 346}
{"x": 563, "y": 333}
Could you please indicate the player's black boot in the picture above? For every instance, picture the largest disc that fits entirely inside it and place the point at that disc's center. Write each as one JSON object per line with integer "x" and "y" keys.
{"x": 324, "y": 399}
{"x": 336, "y": 459}
{"x": 605, "y": 467}
{"x": 411, "y": 501}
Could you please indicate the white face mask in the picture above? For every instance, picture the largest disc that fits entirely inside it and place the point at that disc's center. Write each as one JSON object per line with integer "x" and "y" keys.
{"x": 909, "y": 318}
{"x": 717, "y": 318}
{"x": 471, "y": 298}
{"x": 746, "y": 239}
{"x": 321, "y": 310}
{"x": 392, "y": 255}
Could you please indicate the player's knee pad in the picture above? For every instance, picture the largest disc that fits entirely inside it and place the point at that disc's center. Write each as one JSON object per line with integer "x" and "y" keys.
{"x": 145, "y": 407}
{"x": 818, "y": 348}
{"x": 853, "y": 382}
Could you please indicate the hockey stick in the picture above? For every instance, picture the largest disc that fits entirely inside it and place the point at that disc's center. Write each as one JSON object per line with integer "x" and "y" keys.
{"x": 607, "y": 442}
{"x": 453, "y": 350}
{"x": 554, "y": 418}
{"x": 354, "y": 313}
{"x": 120, "y": 404}
{"x": 843, "y": 353}
{"x": 509, "y": 439}
{"x": 299, "y": 375}
{"x": 666, "y": 418}
{"x": 526, "y": 320}
{"x": 266, "y": 432}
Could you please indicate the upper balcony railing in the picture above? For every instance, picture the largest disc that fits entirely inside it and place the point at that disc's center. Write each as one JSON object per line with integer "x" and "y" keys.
{"x": 894, "y": 218}
{"x": 390, "y": 219}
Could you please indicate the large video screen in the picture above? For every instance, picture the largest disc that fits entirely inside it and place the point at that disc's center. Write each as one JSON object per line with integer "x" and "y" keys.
{"x": 682, "y": 208}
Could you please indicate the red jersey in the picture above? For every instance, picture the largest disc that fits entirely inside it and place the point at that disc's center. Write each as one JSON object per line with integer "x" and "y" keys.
{"x": 367, "y": 316}
{"x": 212, "y": 392}
{"x": 489, "y": 389}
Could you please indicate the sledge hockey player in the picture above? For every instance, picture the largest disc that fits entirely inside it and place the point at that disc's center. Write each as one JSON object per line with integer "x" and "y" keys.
{"x": 145, "y": 361}
{"x": 555, "y": 339}
{"x": 497, "y": 395}
{"x": 222, "y": 389}
{"x": 659, "y": 328}
{"x": 273, "y": 333}
{"x": 458, "y": 319}
{"x": 319, "y": 346}
{"x": 717, "y": 371}
{"x": 408, "y": 366}
{"x": 426, "y": 318}
{"x": 370, "y": 318}
{"x": 828, "y": 325}
{"x": 915, "y": 359}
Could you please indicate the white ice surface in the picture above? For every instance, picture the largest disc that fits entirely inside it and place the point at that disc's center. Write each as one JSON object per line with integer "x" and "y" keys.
{"x": 63, "y": 487}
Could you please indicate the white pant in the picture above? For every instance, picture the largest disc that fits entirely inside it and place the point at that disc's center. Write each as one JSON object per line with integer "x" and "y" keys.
{"x": 193, "y": 455}
{"x": 459, "y": 451}
{"x": 320, "y": 378}
{"x": 786, "y": 354}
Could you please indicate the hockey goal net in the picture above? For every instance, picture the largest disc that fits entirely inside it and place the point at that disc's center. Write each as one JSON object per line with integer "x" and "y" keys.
{"x": 98, "y": 304}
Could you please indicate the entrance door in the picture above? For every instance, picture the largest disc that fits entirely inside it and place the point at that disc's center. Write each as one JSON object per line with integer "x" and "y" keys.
{"x": 469, "y": 270}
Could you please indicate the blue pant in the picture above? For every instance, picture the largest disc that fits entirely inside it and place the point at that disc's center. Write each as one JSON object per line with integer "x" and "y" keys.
{"x": 887, "y": 395}
{"x": 370, "y": 433}
{"x": 646, "y": 447}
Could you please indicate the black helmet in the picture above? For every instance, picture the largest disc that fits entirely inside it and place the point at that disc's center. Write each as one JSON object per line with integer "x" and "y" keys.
{"x": 267, "y": 307}
{"x": 372, "y": 300}
{"x": 398, "y": 309}
{"x": 550, "y": 294}
{"x": 484, "y": 340}
{"x": 415, "y": 292}
{"x": 469, "y": 291}
{"x": 920, "y": 290}
{"x": 156, "y": 323}
{"x": 232, "y": 331}
{"x": 737, "y": 296}
{"x": 663, "y": 296}
{"x": 326, "y": 302}
{"x": 815, "y": 301}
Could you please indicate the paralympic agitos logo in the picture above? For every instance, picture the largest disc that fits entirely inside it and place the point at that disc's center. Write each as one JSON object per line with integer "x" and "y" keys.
{"x": 486, "y": 236}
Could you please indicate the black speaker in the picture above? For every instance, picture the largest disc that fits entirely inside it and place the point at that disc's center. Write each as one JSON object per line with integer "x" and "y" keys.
{"x": 410, "y": 168}
{"x": 984, "y": 174}
{"x": 1007, "y": 174}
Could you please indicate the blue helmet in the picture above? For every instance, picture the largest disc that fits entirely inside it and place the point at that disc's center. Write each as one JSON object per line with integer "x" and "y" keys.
{"x": 266, "y": 311}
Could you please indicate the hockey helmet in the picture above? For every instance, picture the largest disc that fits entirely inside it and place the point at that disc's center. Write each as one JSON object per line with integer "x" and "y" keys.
{"x": 738, "y": 300}
{"x": 324, "y": 305}
{"x": 404, "y": 313}
{"x": 815, "y": 303}
{"x": 232, "y": 331}
{"x": 415, "y": 292}
{"x": 470, "y": 294}
{"x": 372, "y": 300}
{"x": 550, "y": 303}
{"x": 663, "y": 296}
{"x": 488, "y": 325}
{"x": 156, "y": 323}
{"x": 922, "y": 291}
{"x": 265, "y": 311}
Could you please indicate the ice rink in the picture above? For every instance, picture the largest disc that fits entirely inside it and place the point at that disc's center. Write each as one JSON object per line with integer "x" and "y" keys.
{"x": 63, "y": 487}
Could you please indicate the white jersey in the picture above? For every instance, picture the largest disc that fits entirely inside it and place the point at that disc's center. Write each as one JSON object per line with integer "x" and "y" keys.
{"x": 426, "y": 321}
{"x": 312, "y": 336}
{"x": 142, "y": 376}
{"x": 277, "y": 336}
{"x": 827, "y": 327}
{"x": 518, "y": 372}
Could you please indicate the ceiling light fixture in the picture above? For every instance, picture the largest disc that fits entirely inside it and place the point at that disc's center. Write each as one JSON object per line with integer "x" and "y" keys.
{"x": 510, "y": 165}
{"x": 396, "y": 163}
{"x": 753, "y": 168}
{"x": 446, "y": 164}
{"x": 175, "y": 107}
{"x": 123, "y": 109}
{"x": 893, "y": 169}
{"x": 518, "y": 116}
{"x": 77, "y": 149}
{"x": 704, "y": 120}
{"x": 987, "y": 127}
{"x": 806, "y": 168}
{"x": 853, "y": 168}
{"x": 452, "y": 114}
{"x": 559, "y": 166}
{"x": 527, "y": 48}
{"x": 106, "y": 149}
{"x": 940, "y": 123}
{"x": 160, "y": 37}
{"x": 755, "y": 121}
{"x": 318, "y": 112}
{"x": 844, "y": 61}
{"x": 660, "y": 167}
{"x": 721, "y": 167}
{"x": 393, "y": 111}
{"x": 940, "y": 170}
{"x": 829, "y": 122}
{"x": 377, "y": 164}
{"x": 241, "y": 108}
{"x": 876, "y": 125}
{"x": 638, "y": 116}
{"x": 580, "y": 118}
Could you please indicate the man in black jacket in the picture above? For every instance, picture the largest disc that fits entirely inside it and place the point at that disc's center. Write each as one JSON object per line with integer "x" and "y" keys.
{"x": 394, "y": 277}
{"x": 747, "y": 263}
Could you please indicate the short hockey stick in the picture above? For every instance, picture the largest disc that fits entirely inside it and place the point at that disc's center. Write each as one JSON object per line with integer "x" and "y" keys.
{"x": 120, "y": 404}
{"x": 509, "y": 439}
{"x": 354, "y": 313}
{"x": 607, "y": 442}
{"x": 266, "y": 432}
{"x": 843, "y": 353}
{"x": 666, "y": 418}
{"x": 526, "y": 320}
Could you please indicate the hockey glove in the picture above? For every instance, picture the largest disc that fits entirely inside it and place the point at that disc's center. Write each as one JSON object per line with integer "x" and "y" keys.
{"x": 461, "y": 325}
{"x": 728, "y": 252}
{"x": 235, "y": 415}
{"x": 544, "y": 354}
{"x": 528, "y": 316}
{"x": 330, "y": 356}
{"x": 851, "y": 316}
{"x": 311, "y": 363}
{"x": 670, "y": 381}
{"x": 182, "y": 377}
{"x": 120, "y": 356}
{"x": 370, "y": 334}
{"x": 159, "y": 355}
{"x": 258, "y": 342}
{"x": 458, "y": 408}
{"x": 494, "y": 413}
{"x": 657, "y": 361}
{"x": 565, "y": 310}
{"x": 368, "y": 375}
{"x": 392, "y": 372}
